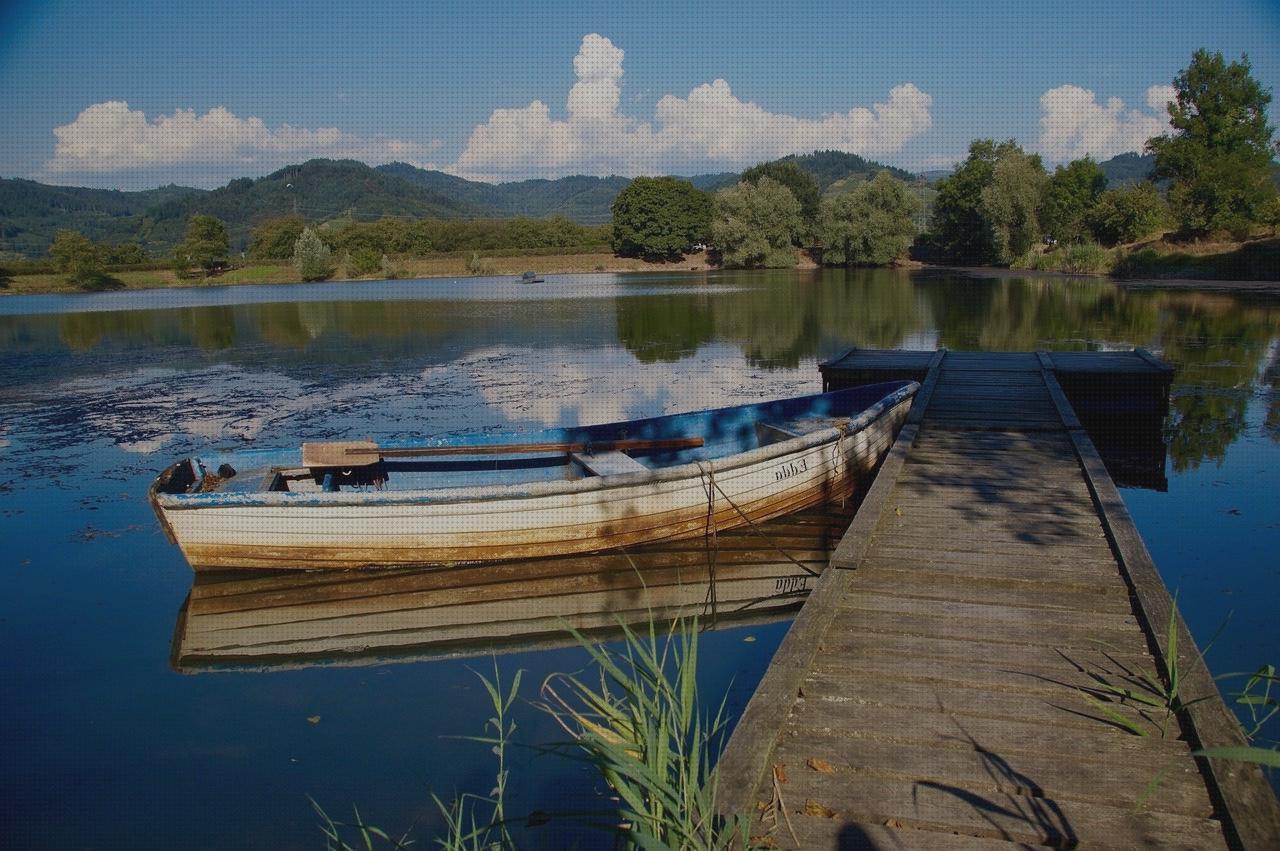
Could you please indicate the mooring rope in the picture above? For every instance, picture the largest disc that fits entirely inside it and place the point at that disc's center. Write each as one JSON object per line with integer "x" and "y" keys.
{"x": 711, "y": 540}
{"x": 714, "y": 485}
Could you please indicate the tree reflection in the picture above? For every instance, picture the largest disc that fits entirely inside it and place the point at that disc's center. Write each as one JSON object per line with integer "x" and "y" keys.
{"x": 1224, "y": 345}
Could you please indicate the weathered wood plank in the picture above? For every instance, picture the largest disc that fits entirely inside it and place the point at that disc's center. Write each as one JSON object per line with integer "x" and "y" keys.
{"x": 986, "y": 768}
{"x": 744, "y": 762}
{"x": 940, "y": 806}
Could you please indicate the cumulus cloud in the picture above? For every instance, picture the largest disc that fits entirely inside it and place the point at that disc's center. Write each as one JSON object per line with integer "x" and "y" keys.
{"x": 711, "y": 125}
{"x": 111, "y": 138}
{"x": 1159, "y": 98}
{"x": 1073, "y": 123}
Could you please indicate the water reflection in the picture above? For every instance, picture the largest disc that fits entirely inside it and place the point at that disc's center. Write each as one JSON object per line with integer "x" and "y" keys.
{"x": 1224, "y": 346}
{"x": 287, "y": 620}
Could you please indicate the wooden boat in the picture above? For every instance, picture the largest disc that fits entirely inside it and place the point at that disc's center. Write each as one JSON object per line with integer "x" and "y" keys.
{"x": 470, "y": 499}
{"x": 281, "y": 620}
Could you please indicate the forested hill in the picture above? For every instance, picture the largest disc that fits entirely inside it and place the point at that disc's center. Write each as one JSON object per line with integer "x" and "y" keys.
{"x": 583, "y": 199}
{"x": 324, "y": 190}
{"x": 30, "y": 212}
{"x": 320, "y": 190}
{"x": 827, "y": 167}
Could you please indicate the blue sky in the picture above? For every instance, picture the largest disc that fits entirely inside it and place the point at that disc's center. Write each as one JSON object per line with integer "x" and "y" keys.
{"x": 216, "y": 90}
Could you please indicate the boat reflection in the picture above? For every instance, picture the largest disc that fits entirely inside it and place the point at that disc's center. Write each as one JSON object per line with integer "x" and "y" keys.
{"x": 292, "y": 619}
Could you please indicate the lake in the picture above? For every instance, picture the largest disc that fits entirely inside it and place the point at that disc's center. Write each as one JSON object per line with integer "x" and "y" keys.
{"x": 108, "y": 745}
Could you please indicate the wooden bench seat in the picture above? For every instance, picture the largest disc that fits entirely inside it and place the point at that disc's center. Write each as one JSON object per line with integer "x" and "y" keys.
{"x": 608, "y": 463}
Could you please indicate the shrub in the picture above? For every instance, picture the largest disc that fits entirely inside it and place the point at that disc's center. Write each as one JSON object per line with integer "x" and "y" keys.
{"x": 1084, "y": 258}
{"x": 478, "y": 265}
{"x": 363, "y": 261}
{"x": 311, "y": 256}
{"x": 1129, "y": 214}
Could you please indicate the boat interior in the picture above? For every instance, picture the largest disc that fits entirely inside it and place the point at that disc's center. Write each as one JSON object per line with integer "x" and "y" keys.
{"x": 554, "y": 455}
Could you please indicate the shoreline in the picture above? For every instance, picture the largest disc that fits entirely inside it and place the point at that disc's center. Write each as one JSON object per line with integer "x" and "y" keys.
{"x": 437, "y": 268}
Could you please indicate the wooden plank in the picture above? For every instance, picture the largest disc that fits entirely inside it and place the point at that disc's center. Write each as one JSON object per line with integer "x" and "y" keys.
{"x": 925, "y": 393}
{"x": 1120, "y": 663}
{"x": 927, "y": 626}
{"x": 990, "y": 767}
{"x": 1087, "y": 742}
{"x": 743, "y": 764}
{"x": 1067, "y": 709}
{"x": 940, "y": 806}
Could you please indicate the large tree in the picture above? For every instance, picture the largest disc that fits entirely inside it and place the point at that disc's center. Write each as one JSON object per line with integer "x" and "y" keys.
{"x": 1069, "y": 200}
{"x": 1011, "y": 204}
{"x": 757, "y": 224}
{"x": 660, "y": 218}
{"x": 874, "y": 224}
{"x": 959, "y": 227}
{"x": 77, "y": 256}
{"x": 205, "y": 243}
{"x": 1219, "y": 153}
{"x": 799, "y": 181}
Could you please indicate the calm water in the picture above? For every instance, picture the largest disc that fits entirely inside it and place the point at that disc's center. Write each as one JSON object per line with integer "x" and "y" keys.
{"x": 106, "y": 746}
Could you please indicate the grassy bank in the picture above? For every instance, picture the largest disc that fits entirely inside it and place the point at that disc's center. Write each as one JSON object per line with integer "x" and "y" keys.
{"x": 446, "y": 266}
{"x": 1161, "y": 259}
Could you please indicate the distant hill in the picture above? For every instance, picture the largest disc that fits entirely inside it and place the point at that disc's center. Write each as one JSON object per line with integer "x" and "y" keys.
{"x": 324, "y": 190}
{"x": 584, "y": 199}
{"x": 320, "y": 190}
{"x": 31, "y": 213}
{"x": 827, "y": 167}
{"x": 1127, "y": 169}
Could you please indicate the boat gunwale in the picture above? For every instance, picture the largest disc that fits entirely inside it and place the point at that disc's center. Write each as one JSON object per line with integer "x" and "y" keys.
{"x": 479, "y": 493}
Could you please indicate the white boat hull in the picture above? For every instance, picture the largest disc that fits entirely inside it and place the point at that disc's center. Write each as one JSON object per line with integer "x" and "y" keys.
{"x": 466, "y": 525}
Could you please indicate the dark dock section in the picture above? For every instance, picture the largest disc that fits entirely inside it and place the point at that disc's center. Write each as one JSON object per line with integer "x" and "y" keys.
{"x": 951, "y": 680}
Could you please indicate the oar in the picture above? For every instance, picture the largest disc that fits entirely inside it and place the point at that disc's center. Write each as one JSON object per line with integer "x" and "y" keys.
{"x": 344, "y": 453}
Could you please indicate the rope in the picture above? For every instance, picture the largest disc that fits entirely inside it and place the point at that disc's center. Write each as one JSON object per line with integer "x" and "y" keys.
{"x": 716, "y": 485}
{"x": 712, "y": 541}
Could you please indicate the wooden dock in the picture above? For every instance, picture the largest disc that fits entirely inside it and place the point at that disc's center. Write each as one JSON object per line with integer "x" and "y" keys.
{"x": 943, "y": 685}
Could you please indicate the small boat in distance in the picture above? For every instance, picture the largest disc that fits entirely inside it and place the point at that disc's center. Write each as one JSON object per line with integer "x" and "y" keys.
{"x": 485, "y": 498}
{"x": 531, "y": 278}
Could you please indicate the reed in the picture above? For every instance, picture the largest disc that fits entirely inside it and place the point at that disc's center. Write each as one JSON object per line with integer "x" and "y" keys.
{"x": 639, "y": 722}
{"x": 1262, "y": 703}
{"x": 636, "y": 718}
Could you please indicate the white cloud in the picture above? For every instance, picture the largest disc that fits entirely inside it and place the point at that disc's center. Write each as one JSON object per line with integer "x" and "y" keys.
{"x": 709, "y": 126}
{"x": 110, "y": 138}
{"x": 1074, "y": 124}
{"x": 1159, "y": 98}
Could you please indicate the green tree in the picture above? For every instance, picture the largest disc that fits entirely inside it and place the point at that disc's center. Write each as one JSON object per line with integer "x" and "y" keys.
{"x": 77, "y": 256}
{"x": 874, "y": 224}
{"x": 960, "y": 228}
{"x": 273, "y": 239}
{"x": 1128, "y": 214}
{"x": 756, "y": 224}
{"x": 311, "y": 256}
{"x": 1219, "y": 153}
{"x": 801, "y": 184}
{"x": 1072, "y": 192}
{"x": 6, "y": 278}
{"x": 1011, "y": 203}
{"x": 205, "y": 243}
{"x": 659, "y": 217}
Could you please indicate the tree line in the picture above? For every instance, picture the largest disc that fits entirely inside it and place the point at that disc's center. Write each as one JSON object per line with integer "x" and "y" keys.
{"x": 1214, "y": 171}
